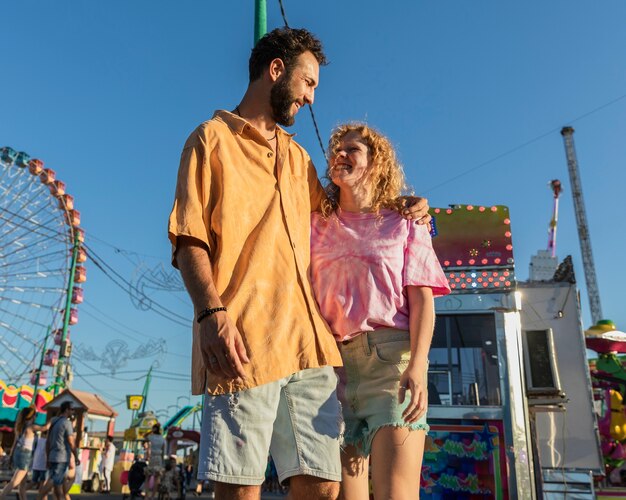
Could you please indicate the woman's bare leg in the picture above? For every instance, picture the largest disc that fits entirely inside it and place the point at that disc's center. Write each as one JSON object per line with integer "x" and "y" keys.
{"x": 15, "y": 481}
{"x": 354, "y": 474}
{"x": 397, "y": 454}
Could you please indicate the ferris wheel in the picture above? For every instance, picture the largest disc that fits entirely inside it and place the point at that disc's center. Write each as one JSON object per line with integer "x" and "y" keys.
{"x": 40, "y": 271}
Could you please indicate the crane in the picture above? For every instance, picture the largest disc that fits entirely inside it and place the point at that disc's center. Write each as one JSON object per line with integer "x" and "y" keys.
{"x": 583, "y": 228}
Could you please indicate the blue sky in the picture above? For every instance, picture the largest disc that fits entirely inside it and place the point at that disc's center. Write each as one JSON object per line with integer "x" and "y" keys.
{"x": 107, "y": 92}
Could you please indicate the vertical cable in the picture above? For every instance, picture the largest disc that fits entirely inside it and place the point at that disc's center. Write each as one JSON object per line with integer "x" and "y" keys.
{"x": 317, "y": 131}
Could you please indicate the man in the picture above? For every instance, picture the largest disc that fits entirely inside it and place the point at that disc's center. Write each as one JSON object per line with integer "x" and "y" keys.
{"x": 61, "y": 445}
{"x": 108, "y": 461}
{"x": 240, "y": 231}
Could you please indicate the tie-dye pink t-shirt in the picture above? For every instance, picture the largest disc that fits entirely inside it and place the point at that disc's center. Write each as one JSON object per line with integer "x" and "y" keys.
{"x": 360, "y": 264}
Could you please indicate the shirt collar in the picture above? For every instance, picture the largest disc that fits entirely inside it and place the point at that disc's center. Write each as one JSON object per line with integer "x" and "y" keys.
{"x": 238, "y": 124}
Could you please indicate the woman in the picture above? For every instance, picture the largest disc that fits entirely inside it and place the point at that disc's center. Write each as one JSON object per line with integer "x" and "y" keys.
{"x": 155, "y": 448}
{"x": 22, "y": 450}
{"x": 375, "y": 275}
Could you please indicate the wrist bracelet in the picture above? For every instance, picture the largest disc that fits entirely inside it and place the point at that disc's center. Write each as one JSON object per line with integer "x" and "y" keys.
{"x": 208, "y": 312}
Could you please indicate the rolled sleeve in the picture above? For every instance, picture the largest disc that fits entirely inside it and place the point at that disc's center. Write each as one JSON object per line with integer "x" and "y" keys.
{"x": 421, "y": 266}
{"x": 190, "y": 215}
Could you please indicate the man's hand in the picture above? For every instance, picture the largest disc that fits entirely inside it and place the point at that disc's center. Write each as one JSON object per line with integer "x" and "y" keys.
{"x": 223, "y": 350}
{"x": 416, "y": 208}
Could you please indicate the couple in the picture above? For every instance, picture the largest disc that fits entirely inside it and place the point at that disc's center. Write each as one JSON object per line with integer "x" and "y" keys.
{"x": 25, "y": 435}
{"x": 60, "y": 452}
{"x": 271, "y": 260}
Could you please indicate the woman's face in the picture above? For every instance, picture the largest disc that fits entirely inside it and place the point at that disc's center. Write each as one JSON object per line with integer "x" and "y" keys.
{"x": 350, "y": 162}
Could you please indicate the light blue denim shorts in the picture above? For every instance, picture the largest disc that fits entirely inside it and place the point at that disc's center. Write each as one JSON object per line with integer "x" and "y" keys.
{"x": 368, "y": 385}
{"x": 22, "y": 458}
{"x": 296, "y": 419}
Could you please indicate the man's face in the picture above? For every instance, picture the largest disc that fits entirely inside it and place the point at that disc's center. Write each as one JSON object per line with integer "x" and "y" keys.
{"x": 294, "y": 89}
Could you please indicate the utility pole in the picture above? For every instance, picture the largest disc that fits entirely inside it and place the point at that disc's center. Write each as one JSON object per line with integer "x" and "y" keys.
{"x": 146, "y": 389}
{"x": 583, "y": 228}
{"x": 260, "y": 19}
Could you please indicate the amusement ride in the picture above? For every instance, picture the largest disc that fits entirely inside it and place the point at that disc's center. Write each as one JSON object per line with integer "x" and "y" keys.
{"x": 41, "y": 273}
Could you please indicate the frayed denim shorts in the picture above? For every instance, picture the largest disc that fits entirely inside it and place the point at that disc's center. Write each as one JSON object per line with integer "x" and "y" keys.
{"x": 22, "y": 458}
{"x": 297, "y": 419}
{"x": 368, "y": 385}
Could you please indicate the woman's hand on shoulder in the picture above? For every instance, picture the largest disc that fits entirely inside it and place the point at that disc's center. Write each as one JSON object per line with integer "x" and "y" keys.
{"x": 413, "y": 380}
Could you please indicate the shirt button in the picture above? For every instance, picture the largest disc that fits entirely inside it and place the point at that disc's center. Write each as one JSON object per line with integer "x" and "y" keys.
{"x": 293, "y": 245}
{"x": 270, "y": 154}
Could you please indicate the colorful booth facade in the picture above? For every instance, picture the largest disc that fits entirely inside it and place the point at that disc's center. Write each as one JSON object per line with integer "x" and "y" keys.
{"x": 13, "y": 398}
{"x": 479, "y": 445}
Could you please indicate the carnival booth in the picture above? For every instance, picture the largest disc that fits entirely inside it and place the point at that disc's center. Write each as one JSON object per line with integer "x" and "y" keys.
{"x": 87, "y": 407}
{"x": 12, "y": 399}
{"x": 562, "y": 420}
{"x": 479, "y": 444}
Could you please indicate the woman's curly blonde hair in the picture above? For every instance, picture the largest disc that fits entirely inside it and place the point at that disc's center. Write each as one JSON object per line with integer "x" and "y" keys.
{"x": 386, "y": 176}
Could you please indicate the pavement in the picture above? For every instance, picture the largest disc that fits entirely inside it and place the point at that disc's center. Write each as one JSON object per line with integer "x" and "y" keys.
{"x": 118, "y": 496}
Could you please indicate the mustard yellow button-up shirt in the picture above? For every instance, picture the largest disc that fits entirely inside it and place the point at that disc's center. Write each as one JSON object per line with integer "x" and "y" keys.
{"x": 252, "y": 208}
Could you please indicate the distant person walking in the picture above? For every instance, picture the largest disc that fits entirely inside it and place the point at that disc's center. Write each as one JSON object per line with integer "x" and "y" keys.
{"x": 108, "y": 461}
{"x": 40, "y": 461}
{"x": 22, "y": 450}
{"x": 155, "y": 449}
{"x": 61, "y": 445}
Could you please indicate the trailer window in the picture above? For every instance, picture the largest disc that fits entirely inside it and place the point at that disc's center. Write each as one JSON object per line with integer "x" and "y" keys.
{"x": 464, "y": 361}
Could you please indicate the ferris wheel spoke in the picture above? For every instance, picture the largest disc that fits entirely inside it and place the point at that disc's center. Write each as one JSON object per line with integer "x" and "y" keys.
{"x": 19, "y": 302}
{"x": 26, "y": 194}
{"x": 7, "y": 374}
{"x": 12, "y": 350}
{"x": 30, "y": 261}
{"x": 15, "y": 376}
{"x": 13, "y": 227}
{"x": 20, "y": 185}
{"x": 35, "y": 275}
{"x": 23, "y": 318}
{"x": 30, "y": 225}
{"x": 31, "y": 242}
{"x": 20, "y": 234}
{"x": 35, "y": 289}
{"x": 29, "y": 256}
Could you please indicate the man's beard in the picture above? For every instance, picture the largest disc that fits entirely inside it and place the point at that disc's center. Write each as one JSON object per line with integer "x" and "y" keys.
{"x": 281, "y": 100}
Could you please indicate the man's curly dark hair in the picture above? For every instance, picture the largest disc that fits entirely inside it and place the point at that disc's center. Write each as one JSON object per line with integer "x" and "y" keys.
{"x": 286, "y": 44}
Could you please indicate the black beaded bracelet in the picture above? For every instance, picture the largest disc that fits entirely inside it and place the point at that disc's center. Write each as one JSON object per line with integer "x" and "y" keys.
{"x": 208, "y": 312}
